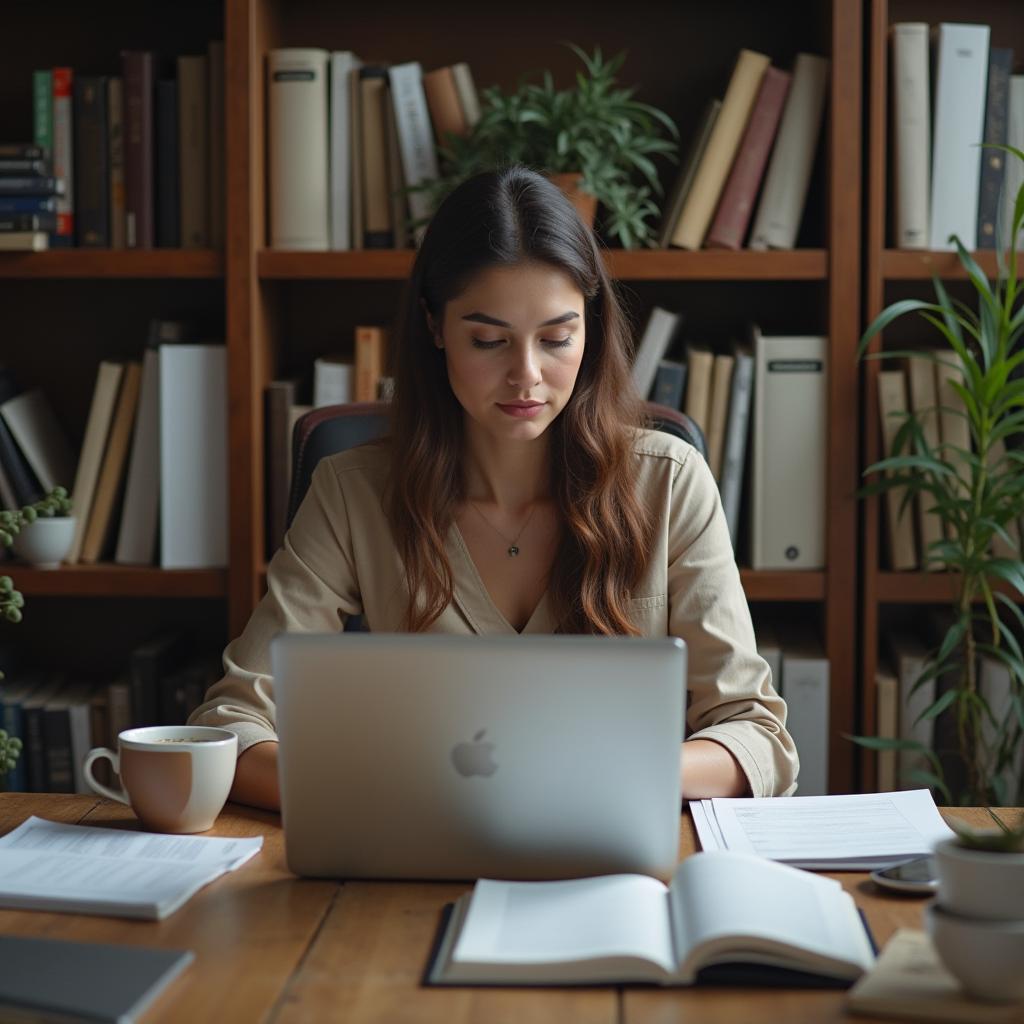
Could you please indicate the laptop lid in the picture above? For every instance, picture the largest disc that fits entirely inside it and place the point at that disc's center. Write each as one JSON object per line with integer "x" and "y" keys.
{"x": 440, "y": 756}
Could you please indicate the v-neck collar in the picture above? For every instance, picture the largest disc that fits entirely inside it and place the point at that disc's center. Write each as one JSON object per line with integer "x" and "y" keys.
{"x": 475, "y": 601}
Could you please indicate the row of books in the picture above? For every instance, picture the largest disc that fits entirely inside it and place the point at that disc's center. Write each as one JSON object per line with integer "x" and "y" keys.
{"x": 126, "y": 161}
{"x": 337, "y": 380}
{"x": 801, "y": 676}
{"x": 345, "y": 138}
{"x": 762, "y": 407}
{"x": 150, "y": 483}
{"x": 759, "y": 139}
{"x": 926, "y": 388}
{"x": 900, "y": 703}
{"x": 27, "y": 180}
{"x": 952, "y": 91}
{"x": 60, "y": 719}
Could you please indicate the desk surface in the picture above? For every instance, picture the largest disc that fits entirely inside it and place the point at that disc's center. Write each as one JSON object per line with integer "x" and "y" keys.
{"x": 271, "y": 947}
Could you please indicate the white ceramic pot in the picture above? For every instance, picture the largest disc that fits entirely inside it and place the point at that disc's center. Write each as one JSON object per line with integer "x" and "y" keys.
{"x": 986, "y": 957}
{"x": 980, "y": 884}
{"x": 45, "y": 542}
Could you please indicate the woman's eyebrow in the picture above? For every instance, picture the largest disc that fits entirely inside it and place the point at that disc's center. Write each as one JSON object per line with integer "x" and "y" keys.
{"x": 483, "y": 318}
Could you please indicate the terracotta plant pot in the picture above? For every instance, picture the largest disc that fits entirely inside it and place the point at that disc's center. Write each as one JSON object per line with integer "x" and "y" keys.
{"x": 585, "y": 203}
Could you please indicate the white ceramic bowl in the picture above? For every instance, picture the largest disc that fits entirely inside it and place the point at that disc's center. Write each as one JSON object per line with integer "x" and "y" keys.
{"x": 986, "y": 957}
{"x": 976, "y": 883}
{"x": 46, "y": 542}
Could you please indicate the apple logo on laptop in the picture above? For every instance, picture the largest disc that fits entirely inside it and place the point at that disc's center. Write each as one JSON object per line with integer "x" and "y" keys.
{"x": 474, "y": 758}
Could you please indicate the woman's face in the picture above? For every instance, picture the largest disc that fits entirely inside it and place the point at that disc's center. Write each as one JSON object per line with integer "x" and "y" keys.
{"x": 513, "y": 341}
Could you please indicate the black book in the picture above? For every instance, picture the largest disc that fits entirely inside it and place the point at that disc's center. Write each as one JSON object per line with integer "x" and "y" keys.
{"x": 147, "y": 664}
{"x": 92, "y": 165}
{"x": 168, "y": 175}
{"x": 27, "y": 488}
{"x": 28, "y": 222}
{"x": 993, "y": 161}
{"x": 21, "y": 151}
{"x": 32, "y": 185}
{"x": 34, "y": 745}
{"x": 20, "y": 166}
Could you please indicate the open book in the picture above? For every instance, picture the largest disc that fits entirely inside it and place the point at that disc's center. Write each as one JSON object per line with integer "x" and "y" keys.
{"x": 726, "y": 916}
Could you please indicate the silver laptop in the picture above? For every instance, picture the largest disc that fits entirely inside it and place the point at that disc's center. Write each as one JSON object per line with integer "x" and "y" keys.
{"x": 439, "y": 756}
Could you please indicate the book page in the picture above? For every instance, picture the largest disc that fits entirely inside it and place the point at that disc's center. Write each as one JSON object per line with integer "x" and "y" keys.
{"x": 861, "y": 832}
{"x": 610, "y": 916}
{"x": 731, "y": 903}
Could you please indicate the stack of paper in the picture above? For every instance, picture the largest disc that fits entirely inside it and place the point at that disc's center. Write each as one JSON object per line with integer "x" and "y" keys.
{"x": 825, "y": 833}
{"x": 84, "y": 870}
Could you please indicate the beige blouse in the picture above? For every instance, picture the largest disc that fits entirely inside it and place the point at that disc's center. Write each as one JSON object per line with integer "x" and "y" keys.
{"x": 339, "y": 559}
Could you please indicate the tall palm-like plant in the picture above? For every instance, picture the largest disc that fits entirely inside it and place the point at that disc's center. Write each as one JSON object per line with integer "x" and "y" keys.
{"x": 976, "y": 494}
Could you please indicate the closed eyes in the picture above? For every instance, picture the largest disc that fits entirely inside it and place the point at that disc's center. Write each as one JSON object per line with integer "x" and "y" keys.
{"x": 549, "y": 342}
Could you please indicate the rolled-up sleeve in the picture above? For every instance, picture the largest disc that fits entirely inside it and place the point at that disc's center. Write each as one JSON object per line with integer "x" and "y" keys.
{"x": 731, "y": 697}
{"x": 311, "y": 588}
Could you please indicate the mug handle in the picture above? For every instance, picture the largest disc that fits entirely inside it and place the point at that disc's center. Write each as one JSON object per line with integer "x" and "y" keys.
{"x": 94, "y": 755}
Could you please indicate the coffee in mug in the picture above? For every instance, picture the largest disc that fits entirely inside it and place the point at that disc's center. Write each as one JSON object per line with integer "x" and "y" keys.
{"x": 176, "y": 778}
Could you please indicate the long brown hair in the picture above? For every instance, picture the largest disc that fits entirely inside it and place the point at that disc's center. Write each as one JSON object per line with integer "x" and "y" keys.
{"x": 503, "y": 218}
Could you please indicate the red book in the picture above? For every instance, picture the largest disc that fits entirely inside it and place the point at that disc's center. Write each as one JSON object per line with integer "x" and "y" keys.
{"x": 737, "y": 203}
{"x": 137, "y": 67}
{"x": 63, "y": 156}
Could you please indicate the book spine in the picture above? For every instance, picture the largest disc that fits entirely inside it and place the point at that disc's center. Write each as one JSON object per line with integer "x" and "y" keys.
{"x": 168, "y": 168}
{"x": 217, "y": 201}
{"x": 34, "y": 750}
{"x": 721, "y": 384}
{"x": 1014, "y": 176}
{"x": 297, "y": 148}
{"x": 119, "y": 703}
{"x": 669, "y": 380}
{"x": 342, "y": 63}
{"x": 415, "y": 136}
{"x": 446, "y": 112}
{"x": 115, "y": 120}
{"x": 24, "y": 241}
{"x": 892, "y": 407}
{"x": 28, "y": 222}
{"x": 469, "y": 100}
{"x": 279, "y": 397}
{"x": 42, "y": 111}
{"x": 373, "y": 94}
{"x": 369, "y": 347}
{"x": 193, "y": 153}
{"x": 788, "y": 469}
{"x": 721, "y": 150}
{"x": 39, "y": 185}
{"x": 60, "y": 777}
{"x": 23, "y": 165}
{"x": 911, "y": 112}
{"x": 993, "y": 161}
{"x": 700, "y": 366}
{"x": 961, "y": 64}
{"x": 789, "y": 171}
{"x": 737, "y": 204}
{"x": 921, "y": 378}
{"x": 63, "y": 156}
{"x": 657, "y": 336}
{"x": 886, "y": 702}
{"x": 92, "y": 196}
{"x": 28, "y": 204}
{"x": 137, "y": 72}
{"x": 807, "y": 703}
{"x": 399, "y": 202}
{"x": 688, "y": 169}
{"x": 734, "y": 458}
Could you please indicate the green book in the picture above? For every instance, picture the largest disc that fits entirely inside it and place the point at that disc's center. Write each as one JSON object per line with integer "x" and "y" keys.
{"x": 42, "y": 109}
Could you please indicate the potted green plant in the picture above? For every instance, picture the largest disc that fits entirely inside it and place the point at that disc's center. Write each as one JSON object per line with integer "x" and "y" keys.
{"x": 594, "y": 139}
{"x": 12, "y": 522}
{"x": 976, "y": 494}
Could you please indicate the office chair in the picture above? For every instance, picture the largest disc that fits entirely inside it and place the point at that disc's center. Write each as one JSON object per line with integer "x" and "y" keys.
{"x": 335, "y": 428}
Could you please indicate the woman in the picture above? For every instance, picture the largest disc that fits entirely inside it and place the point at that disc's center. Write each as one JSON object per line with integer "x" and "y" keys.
{"x": 518, "y": 491}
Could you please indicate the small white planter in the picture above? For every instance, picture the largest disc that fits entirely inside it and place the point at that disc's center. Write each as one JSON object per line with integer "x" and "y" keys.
{"x": 46, "y": 542}
{"x": 979, "y": 883}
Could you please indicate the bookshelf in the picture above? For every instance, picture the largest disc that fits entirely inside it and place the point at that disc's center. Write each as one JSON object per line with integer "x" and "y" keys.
{"x": 892, "y": 274}
{"x": 279, "y": 310}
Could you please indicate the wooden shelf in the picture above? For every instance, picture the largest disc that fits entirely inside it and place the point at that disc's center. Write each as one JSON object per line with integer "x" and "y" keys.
{"x": 924, "y": 588}
{"x": 116, "y": 581}
{"x": 124, "y": 263}
{"x": 768, "y": 585}
{"x": 645, "y": 265}
{"x": 908, "y": 265}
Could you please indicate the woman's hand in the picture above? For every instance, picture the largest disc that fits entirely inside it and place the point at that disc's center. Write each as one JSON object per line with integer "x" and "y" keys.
{"x": 707, "y": 770}
{"x": 256, "y": 778}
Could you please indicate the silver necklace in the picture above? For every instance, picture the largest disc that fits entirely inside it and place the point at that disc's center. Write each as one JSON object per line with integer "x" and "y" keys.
{"x": 513, "y": 545}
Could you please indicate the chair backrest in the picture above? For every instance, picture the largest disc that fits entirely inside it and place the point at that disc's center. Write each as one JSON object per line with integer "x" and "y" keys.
{"x": 334, "y": 428}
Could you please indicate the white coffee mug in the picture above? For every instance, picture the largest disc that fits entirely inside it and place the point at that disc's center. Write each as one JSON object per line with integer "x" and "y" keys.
{"x": 176, "y": 778}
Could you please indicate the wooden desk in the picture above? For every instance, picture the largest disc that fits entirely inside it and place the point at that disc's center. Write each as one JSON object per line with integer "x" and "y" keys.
{"x": 271, "y": 947}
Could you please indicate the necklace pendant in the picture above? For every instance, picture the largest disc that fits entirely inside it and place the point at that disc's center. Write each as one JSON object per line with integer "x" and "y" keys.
{"x": 512, "y": 551}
